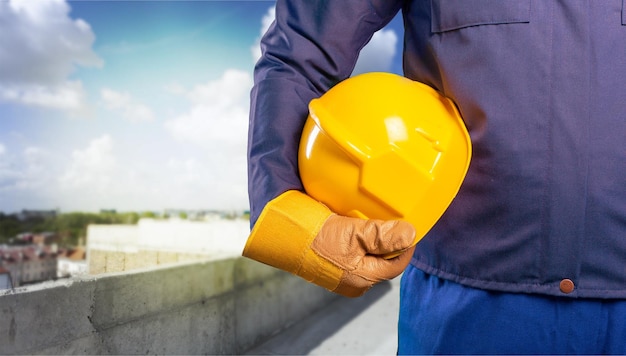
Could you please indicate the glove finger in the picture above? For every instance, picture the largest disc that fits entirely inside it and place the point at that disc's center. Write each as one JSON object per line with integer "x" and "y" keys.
{"x": 344, "y": 240}
{"x": 336, "y": 242}
{"x": 374, "y": 269}
{"x": 377, "y": 268}
{"x": 380, "y": 237}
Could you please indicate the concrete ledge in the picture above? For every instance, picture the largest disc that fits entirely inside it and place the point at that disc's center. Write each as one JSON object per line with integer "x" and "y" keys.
{"x": 215, "y": 307}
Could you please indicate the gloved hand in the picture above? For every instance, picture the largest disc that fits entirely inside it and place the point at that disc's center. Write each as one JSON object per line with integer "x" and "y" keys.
{"x": 360, "y": 248}
{"x": 345, "y": 255}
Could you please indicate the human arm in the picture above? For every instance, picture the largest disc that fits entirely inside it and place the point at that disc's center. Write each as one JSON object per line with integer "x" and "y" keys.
{"x": 311, "y": 46}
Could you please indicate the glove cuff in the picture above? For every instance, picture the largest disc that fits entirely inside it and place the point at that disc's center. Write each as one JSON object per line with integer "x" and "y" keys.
{"x": 283, "y": 234}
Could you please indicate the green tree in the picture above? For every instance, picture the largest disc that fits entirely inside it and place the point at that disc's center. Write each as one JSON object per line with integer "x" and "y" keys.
{"x": 148, "y": 214}
{"x": 9, "y": 227}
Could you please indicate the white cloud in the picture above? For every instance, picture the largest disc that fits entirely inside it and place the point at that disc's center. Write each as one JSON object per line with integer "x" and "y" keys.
{"x": 92, "y": 168}
{"x": 40, "y": 47}
{"x": 68, "y": 96}
{"x": 217, "y": 125}
{"x": 37, "y": 171}
{"x": 217, "y": 182}
{"x": 7, "y": 169}
{"x": 38, "y": 178}
{"x": 218, "y": 117}
{"x": 188, "y": 171}
{"x": 29, "y": 170}
{"x": 126, "y": 105}
{"x": 266, "y": 21}
{"x": 378, "y": 54}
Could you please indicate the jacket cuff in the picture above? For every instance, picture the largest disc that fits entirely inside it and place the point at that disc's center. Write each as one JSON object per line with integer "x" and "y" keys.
{"x": 283, "y": 234}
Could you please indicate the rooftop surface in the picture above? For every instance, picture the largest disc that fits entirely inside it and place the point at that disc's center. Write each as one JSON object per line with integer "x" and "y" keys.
{"x": 361, "y": 326}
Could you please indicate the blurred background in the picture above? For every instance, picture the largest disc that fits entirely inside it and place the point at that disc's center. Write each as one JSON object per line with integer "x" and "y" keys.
{"x": 123, "y": 128}
{"x": 113, "y": 111}
{"x": 133, "y": 105}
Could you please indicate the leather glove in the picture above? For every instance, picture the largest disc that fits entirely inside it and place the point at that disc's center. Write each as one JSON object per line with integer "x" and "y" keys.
{"x": 342, "y": 254}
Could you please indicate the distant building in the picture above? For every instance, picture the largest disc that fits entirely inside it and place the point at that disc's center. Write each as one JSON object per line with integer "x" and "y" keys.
{"x": 204, "y": 215}
{"x": 152, "y": 242}
{"x": 45, "y": 238}
{"x": 32, "y": 214}
{"x": 5, "y": 279}
{"x": 40, "y": 238}
{"x": 72, "y": 262}
{"x": 25, "y": 238}
{"x": 29, "y": 264}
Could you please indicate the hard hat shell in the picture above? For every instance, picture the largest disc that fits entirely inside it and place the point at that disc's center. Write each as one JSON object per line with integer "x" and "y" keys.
{"x": 381, "y": 146}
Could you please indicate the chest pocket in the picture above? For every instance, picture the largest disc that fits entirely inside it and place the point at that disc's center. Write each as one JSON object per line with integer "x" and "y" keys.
{"x": 449, "y": 15}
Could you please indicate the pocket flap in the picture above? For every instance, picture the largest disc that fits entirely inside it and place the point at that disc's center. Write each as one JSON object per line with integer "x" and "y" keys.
{"x": 450, "y": 15}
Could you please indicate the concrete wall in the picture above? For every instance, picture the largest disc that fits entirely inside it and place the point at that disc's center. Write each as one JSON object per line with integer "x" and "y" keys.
{"x": 217, "y": 307}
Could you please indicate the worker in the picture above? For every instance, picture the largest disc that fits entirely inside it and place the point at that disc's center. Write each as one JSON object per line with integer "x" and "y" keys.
{"x": 530, "y": 256}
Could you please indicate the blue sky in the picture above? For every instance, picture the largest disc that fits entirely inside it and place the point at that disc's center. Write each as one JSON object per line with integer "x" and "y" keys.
{"x": 133, "y": 105}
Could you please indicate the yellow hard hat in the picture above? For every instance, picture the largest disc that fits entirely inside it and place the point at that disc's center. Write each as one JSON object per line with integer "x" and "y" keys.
{"x": 381, "y": 146}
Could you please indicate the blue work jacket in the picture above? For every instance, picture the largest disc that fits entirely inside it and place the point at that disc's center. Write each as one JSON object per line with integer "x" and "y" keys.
{"x": 541, "y": 86}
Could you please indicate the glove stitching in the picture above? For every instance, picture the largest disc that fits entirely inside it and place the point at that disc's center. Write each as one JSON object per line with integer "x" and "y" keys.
{"x": 310, "y": 239}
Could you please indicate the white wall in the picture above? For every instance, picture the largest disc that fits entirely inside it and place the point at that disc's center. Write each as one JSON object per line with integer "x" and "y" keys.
{"x": 216, "y": 237}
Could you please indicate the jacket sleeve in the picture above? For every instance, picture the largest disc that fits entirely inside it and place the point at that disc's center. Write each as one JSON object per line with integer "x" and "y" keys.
{"x": 312, "y": 45}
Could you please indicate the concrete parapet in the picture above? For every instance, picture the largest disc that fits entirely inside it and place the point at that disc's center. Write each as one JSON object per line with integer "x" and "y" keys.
{"x": 215, "y": 307}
